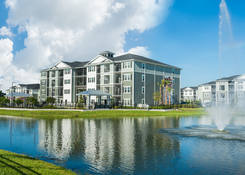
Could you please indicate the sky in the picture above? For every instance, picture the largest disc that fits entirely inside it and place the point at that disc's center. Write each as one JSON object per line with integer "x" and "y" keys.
{"x": 37, "y": 34}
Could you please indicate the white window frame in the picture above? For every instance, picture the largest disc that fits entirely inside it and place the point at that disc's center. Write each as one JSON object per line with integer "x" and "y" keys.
{"x": 143, "y": 90}
{"x": 127, "y": 89}
{"x": 67, "y": 91}
{"x": 67, "y": 81}
{"x": 127, "y": 77}
{"x": 143, "y": 77}
{"x": 67, "y": 71}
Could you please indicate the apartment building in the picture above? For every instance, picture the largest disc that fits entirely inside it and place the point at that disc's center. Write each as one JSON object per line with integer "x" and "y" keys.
{"x": 189, "y": 94}
{"x": 130, "y": 79}
{"x": 24, "y": 90}
{"x": 207, "y": 93}
{"x": 63, "y": 81}
{"x": 239, "y": 87}
{"x": 227, "y": 90}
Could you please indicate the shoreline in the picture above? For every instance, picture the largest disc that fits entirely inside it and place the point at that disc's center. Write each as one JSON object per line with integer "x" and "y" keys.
{"x": 100, "y": 113}
{"x": 14, "y": 163}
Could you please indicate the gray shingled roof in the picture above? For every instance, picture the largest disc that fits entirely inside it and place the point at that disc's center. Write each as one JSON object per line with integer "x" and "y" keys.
{"x": 194, "y": 87}
{"x": 76, "y": 63}
{"x": 140, "y": 58}
{"x": 31, "y": 86}
{"x": 228, "y": 78}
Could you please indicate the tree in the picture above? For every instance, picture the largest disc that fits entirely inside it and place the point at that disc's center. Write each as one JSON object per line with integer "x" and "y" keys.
{"x": 4, "y": 101}
{"x": 157, "y": 97}
{"x": 81, "y": 101}
{"x": 50, "y": 100}
{"x": 2, "y": 94}
{"x": 19, "y": 101}
{"x": 31, "y": 101}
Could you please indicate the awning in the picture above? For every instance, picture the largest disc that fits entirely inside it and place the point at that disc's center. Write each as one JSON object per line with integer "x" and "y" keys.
{"x": 18, "y": 94}
{"x": 94, "y": 93}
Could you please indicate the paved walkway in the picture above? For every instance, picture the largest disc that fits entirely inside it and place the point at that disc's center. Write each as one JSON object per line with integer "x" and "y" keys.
{"x": 81, "y": 110}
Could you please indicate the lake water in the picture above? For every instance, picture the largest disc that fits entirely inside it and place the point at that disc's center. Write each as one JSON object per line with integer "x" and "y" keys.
{"x": 126, "y": 145}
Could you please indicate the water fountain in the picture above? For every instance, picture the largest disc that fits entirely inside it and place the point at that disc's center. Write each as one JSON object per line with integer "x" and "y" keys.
{"x": 219, "y": 115}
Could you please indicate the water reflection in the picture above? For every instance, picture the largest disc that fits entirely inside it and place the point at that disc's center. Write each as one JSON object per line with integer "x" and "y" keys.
{"x": 107, "y": 144}
{"x": 124, "y": 146}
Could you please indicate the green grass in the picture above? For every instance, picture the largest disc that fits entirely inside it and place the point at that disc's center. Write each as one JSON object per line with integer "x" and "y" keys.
{"x": 55, "y": 114}
{"x": 18, "y": 164}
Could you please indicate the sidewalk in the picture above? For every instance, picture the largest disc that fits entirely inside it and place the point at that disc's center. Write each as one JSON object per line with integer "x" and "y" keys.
{"x": 81, "y": 110}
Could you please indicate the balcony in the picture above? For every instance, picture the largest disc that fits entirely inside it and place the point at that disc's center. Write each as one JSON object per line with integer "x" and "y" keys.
{"x": 117, "y": 67}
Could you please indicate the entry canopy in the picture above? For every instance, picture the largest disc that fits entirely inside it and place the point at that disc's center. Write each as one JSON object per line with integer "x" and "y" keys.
{"x": 18, "y": 94}
{"x": 94, "y": 93}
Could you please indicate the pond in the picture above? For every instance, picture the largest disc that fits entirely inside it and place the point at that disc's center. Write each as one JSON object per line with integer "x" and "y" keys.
{"x": 126, "y": 145}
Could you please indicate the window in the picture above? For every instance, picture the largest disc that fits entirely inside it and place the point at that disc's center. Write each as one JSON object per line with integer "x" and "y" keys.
{"x": 107, "y": 68}
{"x": 127, "y": 89}
{"x": 127, "y": 65}
{"x": 222, "y": 87}
{"x": 53, "y": 82}
{"x": 43, "y": 74}
{"x": 107, "y": 89}
{"x": 67, "y": 71}
{"x": 91, "y": 79}
{"x": 53, "y": 73}
{"x": 106, "y": 79}
{"x": 143, "y": 66}
{"x": 67, "y": 91}
{"x": 67, "y": 81}
{"x": 127, "y": 102}
{"x": 43, "y": 82}
{"x": 127, "y": 77}
{"x": 91, "y": 68}
{"x": 143, "y": 77}
{"x": 43, "y": 91}
{"x": 143, "y": 90}
{"x": 143, "y": 101}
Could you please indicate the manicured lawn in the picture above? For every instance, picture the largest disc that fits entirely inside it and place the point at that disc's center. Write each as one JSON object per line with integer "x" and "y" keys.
{"x": 18, "y": 164}
{"x": 55, "y": 114}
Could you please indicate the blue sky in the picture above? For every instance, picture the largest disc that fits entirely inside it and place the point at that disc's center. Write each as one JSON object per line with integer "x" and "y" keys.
{"x": 187, "y": 37}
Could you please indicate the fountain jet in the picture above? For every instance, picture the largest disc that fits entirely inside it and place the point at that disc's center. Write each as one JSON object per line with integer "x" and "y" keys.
{"x": 225, "y": 26}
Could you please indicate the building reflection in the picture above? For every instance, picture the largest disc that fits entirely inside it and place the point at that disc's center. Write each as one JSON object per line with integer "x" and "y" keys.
{"x": 125, "y": 144}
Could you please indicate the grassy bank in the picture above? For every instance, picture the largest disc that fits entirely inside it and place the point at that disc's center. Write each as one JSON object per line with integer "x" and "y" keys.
{"x": 18, "y": 164}
{"x": 54, "y": 114}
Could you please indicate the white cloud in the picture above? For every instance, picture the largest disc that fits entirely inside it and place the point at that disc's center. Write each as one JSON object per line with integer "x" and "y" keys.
{"x": 139, "y": 50}
{"x": 8, "y": 71}
{"x": 79, "y": 29}
{"x": 4, "y": 31}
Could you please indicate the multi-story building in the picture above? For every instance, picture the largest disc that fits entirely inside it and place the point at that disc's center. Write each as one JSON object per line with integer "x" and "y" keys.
{"x": 25, "y": 89}
{"x": 225, "y": 90}
{"x": 207, "y": 93}
{"x": 239, "y": 86}
{"x": 63, "y": 81}
{"x": 189, "y": 94}
{"x": 228, "y": 90}
{"x": 129, "y": 78}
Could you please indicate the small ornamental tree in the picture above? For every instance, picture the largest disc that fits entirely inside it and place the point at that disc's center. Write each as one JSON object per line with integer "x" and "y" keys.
{"x": 31, "y": 101}
{"x": 4, "y": 101}
{"x": 19, "y": 102}
{"x": 81, "y": 101}
{"x": 50, "y": 101}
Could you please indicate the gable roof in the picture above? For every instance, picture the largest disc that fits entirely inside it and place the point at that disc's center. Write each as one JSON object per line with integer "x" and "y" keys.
{"x": 31, "y": 86}
{"x": 76, "y": 63}
{"x": 209, "y": 83}
{"x": 228, "y": 78}
{"x": 129, "y": 56}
